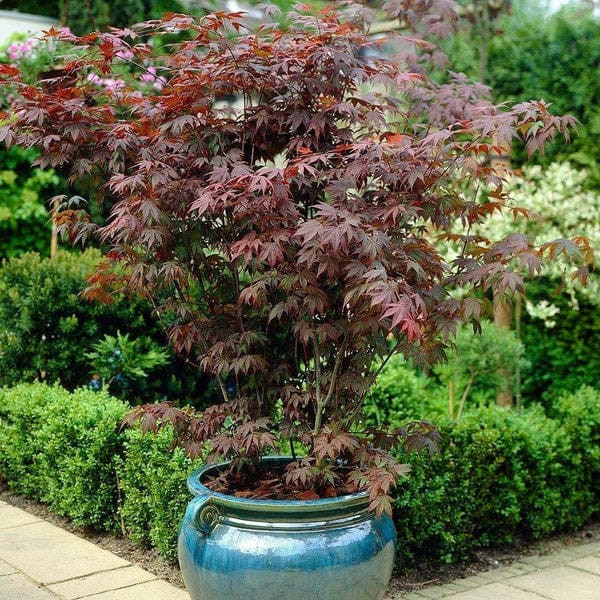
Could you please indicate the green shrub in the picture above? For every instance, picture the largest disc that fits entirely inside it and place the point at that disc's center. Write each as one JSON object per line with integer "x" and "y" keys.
{"x": 152, "y": 479}
{"x": 22, "y": 413}
{"x": 565, "y": 356}
{"x": 500, "y": 473}
{"x": 24, "y": 220}
{"x": 61, "y": 448}
{"x": 477, "y": 366}
{"x": 518, "y": 70}
{"x": 400, "y": 393}
{"x": 579, "y": 414}
{"x": 47, "y": 328}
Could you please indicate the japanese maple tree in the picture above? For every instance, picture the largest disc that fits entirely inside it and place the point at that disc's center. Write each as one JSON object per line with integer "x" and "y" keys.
{"x": 286, "y": 237}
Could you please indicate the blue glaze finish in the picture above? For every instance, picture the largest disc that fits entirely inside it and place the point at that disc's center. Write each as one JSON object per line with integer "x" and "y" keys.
{"x": 242, "y": 549}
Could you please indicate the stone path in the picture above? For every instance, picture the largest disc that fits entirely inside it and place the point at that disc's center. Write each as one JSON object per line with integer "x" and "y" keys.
{"x": 570, "y": 574}
{"x": 39, "y": 561}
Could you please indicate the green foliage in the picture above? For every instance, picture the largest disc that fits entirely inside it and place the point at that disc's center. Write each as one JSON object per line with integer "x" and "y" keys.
{"x": 556, "y": 194}
{"x": 399, "y": 394}
{"x": 24, "y": 189}
{"x": 580, "y": 415}
{"x": 60, "y": 448}
{"x": 566, "y": 355}
{"x": 65, "y": 449}
{"x": 152, "y": 477}
{"x": 501, "y": 473}
{"x": 119, "y": 361}
{"x": 48, "y": 8}
{"x": 83, "y": 16}
{"x": 24, "y": 220}
{"x": 46, "y": 328}
{"x": 475, "y": 367}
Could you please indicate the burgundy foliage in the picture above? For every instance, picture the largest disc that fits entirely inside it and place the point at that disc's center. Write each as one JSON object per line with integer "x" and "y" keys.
{"x": 286, "y": 239}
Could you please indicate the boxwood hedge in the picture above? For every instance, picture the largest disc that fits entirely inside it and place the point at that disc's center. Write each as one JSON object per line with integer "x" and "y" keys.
{"x": 500, "y": 473}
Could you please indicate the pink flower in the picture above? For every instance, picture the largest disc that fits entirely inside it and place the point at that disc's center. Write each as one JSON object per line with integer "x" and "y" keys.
{"x": 149, "y": 76}
{"x": 113, "y": 84}
{"x": 158, "y": 82}
{"x": 18, "y": 50}
{"x": 94, "y": 78}
{"x": 108, "y": 83}
{"x": 125, "y": 54}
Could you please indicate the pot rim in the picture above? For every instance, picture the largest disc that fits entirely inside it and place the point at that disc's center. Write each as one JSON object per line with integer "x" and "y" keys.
{"x": 196, "y": 487}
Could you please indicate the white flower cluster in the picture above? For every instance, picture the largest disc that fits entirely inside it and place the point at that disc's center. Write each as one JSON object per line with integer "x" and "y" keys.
{"x": 543, "y": 310}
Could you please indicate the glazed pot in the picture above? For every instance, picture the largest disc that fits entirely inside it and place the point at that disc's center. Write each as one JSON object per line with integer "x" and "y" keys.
{"x": 244, "y": 549}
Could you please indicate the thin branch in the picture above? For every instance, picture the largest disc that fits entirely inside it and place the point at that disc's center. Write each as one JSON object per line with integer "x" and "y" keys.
{"x": 465, "y": 395}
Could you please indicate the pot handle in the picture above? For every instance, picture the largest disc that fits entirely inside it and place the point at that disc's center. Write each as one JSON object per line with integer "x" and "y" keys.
{"x": 203, "y": 514}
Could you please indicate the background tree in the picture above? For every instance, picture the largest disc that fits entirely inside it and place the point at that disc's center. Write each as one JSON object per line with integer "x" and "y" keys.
{"x": 83, "y": 16}
{"x": 483, "y": 17}
{"x": 477, "y": 366}
{"x": 531, "y": 40}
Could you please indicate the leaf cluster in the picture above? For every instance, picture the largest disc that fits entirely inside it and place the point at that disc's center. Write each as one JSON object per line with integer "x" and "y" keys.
{"x": 118, "y": 359}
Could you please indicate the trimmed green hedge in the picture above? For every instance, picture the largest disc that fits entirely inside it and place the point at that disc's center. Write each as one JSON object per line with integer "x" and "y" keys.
{"x": 61, "y": 448}
{"x": 500, "y": 473}
{"x": 153, "y": 487}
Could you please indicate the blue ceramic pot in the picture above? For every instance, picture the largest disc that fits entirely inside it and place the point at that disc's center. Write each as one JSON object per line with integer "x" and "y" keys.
{"x": 242, "y": 549}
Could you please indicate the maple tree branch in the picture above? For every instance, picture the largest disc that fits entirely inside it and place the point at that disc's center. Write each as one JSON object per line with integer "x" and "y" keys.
{"x": 360, "y": 403}
{"x": 223, "y": 388}
{"x": 322, "y": 405}
{"x": 319, "y": 413}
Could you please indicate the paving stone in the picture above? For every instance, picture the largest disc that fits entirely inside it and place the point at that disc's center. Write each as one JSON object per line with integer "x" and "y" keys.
{"x": 432, "y": 592}
{"x": 6, "y": 569}
{"x": 101, "y": 582}
{"x": 471, "y": 582}
{"x": 584, "y": 549}
{"x": 591, "y": 548}
{"x": 560, "y": 583}
{"x": 15, "y": 517}
{"x": 540, "y": 562}
{"x": 152, "y": 590}
{"x": 516, "y": 570}
{"x": 530, "y": 560}
{"x": 527, "y": 568}
{"x": 563, "y": 556}
{"x": 495, "y": 575}
{"x": 409, "y": 596}
{"x": 17, "y": 587}
{"x": 452, "y": 588}
{"x": 497, "y": 591}
{"x": 478, "y": 580}
{"x": 49, "y": 554}
{"x": 587, "y": 563}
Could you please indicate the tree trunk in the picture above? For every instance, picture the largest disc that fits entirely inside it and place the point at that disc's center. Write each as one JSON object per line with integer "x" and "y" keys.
{"x": 483, "y": 59}
{"x": 502, "y": 306}
{"x": 54, "y": 234}
{"x": 503, "y": 318}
